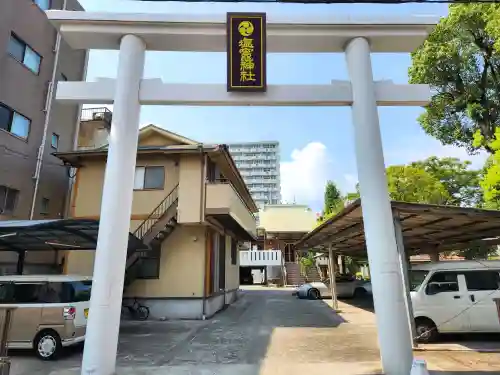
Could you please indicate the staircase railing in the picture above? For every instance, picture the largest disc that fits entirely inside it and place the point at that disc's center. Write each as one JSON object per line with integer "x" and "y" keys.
{"x": 157, "y": 213}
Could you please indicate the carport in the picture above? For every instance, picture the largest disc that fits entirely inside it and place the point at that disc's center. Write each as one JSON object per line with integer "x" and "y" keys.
{"x": 21, "y": 236}
{"x": 419, "y": 229}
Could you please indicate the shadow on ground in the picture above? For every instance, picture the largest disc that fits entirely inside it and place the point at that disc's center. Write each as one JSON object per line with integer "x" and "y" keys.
{"x": 365, "y": 303}
{"x": 265, "y": 328}
{"x": 479, "y": 342}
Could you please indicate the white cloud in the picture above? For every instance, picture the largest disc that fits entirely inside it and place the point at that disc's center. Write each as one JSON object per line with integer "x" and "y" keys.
{"x": 303, "y": 178}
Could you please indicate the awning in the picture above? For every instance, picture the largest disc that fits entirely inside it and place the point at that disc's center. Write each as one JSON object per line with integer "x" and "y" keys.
{"x": 427, "y": 227}
{"x": 58, "y": 234}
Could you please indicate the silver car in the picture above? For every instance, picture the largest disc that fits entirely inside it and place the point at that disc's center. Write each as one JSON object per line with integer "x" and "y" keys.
{"x": 346, "y": 288}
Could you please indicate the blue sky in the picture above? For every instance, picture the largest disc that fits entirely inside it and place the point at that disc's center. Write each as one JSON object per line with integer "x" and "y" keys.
{"x": 316, "y": 143}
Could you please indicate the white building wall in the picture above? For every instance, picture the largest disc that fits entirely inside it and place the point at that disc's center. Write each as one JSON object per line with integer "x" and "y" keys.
{"x": 259, "y": 164}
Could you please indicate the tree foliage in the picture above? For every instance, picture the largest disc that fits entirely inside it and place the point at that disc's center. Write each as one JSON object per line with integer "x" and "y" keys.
{"x": 460, "y": 181}
{"x": 448, "y": 181}
{"x": 460, "y": 63}
{"x": 491, "y": 180}
{"x": 412, "y": 184}
{"x": 333, "y": 198}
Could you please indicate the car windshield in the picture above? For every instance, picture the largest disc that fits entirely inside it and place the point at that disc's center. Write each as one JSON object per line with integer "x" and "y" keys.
{"x": 417, "y": 277}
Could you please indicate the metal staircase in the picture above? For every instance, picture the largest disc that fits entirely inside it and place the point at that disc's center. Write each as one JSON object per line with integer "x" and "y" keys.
{"x": 153, "y": 231}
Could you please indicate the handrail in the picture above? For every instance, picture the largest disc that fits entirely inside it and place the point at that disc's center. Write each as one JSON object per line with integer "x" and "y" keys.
{"x": 157, "y": 213}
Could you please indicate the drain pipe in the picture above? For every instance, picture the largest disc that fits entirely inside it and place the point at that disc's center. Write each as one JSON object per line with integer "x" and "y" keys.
{"x": 48, "y": 108}
{"x": 203, "y": 186}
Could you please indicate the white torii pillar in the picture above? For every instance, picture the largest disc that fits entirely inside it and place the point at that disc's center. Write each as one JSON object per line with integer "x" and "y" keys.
{"x": 390, "y": 309}
{"x": 101, "y": 341}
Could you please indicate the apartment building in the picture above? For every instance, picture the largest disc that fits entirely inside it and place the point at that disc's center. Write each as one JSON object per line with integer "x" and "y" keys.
{"x": 259, "y": 165}
{"x": 190, "y": 206}
{"x": 28, "y": 50}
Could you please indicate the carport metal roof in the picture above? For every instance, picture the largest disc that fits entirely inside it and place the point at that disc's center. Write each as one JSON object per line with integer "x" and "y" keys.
{"x": 285, "y": 236}
{"x": 58, "y": 234}
{"x": 424, "y": 226}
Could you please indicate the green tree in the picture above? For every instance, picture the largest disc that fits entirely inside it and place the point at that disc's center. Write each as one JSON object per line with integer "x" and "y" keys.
{"x": 477, "y": 252}
{"x": 333, "y": 198}
{"x": 306, "y": 262}
{"x": 411, "y": 184}
{"x": 460, "y": 181}
{"x": 459, "y": 62}
{"x": 491, "y": 181}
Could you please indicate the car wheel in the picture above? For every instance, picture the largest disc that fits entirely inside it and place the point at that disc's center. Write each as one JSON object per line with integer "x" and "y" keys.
{"x": 142, "y": 313}
{"x": 314, "y": 294}
{"x": 47, "y": 345}
{"x": 426, "y": 330}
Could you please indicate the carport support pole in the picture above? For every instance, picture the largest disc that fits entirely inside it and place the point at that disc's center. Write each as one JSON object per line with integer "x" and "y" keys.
{"x": 331, "y": 272}
{"x": 99, "y": 356}
{"x": 392, "y": 325}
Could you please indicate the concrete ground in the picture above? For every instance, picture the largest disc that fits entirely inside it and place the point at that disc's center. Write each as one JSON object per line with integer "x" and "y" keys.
{"x": 266, "y": 332}
{"x": 460, "y": 354}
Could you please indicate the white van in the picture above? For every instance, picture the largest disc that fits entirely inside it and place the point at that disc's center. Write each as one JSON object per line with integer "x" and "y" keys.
{"x": 51, "y": 311}
{"x": 455, "y": 297}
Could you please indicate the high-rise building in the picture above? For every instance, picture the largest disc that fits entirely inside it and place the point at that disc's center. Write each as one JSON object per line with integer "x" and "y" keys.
{"x": 28, "y": 52}
{"x": 259, "y": 165}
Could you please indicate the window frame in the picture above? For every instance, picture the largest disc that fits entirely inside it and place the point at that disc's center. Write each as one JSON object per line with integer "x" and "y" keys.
{"x": 45, "y": 206}
{"x": 153, "y": 257}
{"x": 16, "y": 200}
{"x": 469, "y": 272}
{"x": 26, "y": 46}
{"x": 428, "y": 282}
{"x": 143, "y": 186}
{"x": 52, "y": 141}
{"x": 49, "y": 4}
{"x": 12, "y": 113}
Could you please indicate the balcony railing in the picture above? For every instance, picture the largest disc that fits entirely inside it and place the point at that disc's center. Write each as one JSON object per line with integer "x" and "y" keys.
{"x": 97, "y": 114}
{"x": 257, "y": 258}
{"x": 322, "y": 261}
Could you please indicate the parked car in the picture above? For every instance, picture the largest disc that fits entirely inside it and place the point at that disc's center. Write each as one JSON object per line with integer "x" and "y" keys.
{"x": 347, "y": 287}
{"x": 455, "y": 297}
{"x": 50, "y": 313}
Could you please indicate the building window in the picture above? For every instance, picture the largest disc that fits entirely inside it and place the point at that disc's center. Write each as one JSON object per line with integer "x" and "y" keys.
{"x": 149, "y": 266}
{"x": 149, "y": 178}
{"x": 14, "y": 122}
{"x": 43, "y": 4}
{"x": 45, "y": 206}
{"x": 54, "y": 141}
{"x": 24, "y": 54}
{"x": 8, "y": 199}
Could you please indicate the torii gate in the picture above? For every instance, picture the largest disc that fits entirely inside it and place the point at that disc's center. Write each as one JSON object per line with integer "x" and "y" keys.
{"x": 133, "y": 34}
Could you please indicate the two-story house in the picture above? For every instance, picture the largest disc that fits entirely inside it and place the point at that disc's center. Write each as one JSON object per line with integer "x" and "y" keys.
{"x": 190, "y": 205}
